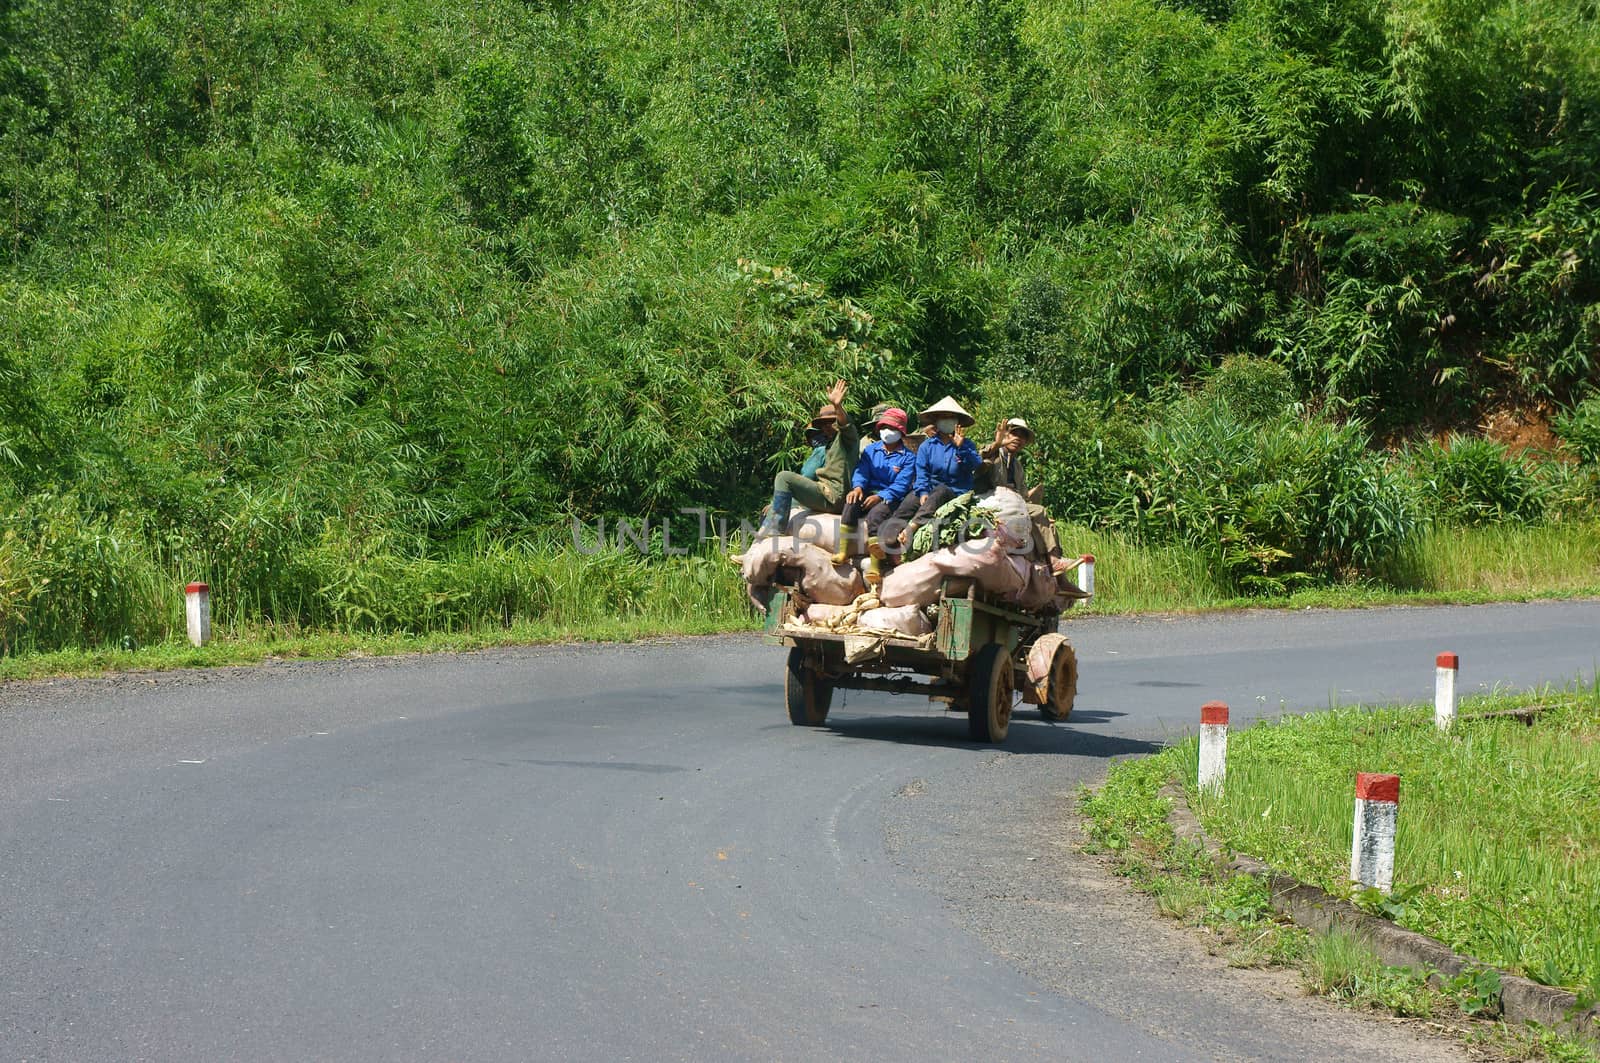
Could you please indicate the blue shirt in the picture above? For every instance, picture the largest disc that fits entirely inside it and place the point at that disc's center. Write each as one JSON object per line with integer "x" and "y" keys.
{"x": 941, "y": 464}
{"x": 885, "y": 473}
{"x": 814, "y": 462}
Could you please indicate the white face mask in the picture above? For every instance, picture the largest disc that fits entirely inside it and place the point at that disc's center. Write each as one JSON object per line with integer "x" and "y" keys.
{"x": 945, "y": 425}
{"x": 889, "y": 435}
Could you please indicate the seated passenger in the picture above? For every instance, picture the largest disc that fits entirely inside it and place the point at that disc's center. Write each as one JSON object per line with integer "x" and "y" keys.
{"x": 945, "y": 466}
{"x": 823, "y": 493}
{"x": 1003, "y": 467}
{"x": 882, "y": 478}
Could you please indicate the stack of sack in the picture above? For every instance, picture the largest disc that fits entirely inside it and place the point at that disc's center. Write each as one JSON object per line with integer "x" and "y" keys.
{"x": 997, "y": 561}
{"x": 803, "y": 565}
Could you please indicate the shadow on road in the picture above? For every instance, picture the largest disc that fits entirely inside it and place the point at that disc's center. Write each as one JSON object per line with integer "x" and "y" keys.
{"x": 1026, "y": 737}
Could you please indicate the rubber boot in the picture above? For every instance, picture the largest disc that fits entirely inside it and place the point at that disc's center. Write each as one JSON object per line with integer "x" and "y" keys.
{"x": 874, "y": 573}
{"x": 875, "y": 549}
{"x": 847, "y": 532}
{"x": 777, "y": 517}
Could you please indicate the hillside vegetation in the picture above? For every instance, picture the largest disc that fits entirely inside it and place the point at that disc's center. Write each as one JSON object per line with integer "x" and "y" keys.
{"x": 298, "y": 293}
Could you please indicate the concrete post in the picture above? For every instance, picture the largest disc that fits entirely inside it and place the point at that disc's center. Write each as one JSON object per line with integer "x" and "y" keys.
{"x": 1444, "y": 690}
{"x": 198, "y": 606}
{"x": 1372, "y": 847}
{"x": 1086, "y": 575}
{"x": 1213, "y": 745}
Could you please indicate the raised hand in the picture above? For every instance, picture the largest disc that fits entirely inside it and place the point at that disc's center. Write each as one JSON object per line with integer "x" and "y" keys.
{"x": 999, "y": 433}
{"x": 836, "y": 393}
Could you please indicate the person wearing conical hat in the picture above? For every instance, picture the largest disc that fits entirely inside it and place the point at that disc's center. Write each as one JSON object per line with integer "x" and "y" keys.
{"x": 945, "y": 466}
{"x": 823, "y": 493}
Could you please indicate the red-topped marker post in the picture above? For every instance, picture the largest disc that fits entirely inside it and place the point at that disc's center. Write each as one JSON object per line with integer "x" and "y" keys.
{"x": 1444, "y": 690}
{"x": 1086, "y": 575}
{"x": 1213, "y": 745}
{"x": 1377, "y": 813}
{"x": 197, "y": 603}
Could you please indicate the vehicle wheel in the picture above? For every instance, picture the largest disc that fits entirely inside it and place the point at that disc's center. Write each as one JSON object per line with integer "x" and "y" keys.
{"x": 1063, "y": 687}
{"x": 806, "y": 694}
{"x": 990, "y": 685}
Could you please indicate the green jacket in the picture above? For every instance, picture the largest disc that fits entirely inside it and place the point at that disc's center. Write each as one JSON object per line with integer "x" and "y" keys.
{"x": 843, "y": 453}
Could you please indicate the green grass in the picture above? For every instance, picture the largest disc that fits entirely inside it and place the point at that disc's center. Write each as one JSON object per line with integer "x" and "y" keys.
{"x": 254, "y": 645}
{"x": 1498, "y": 853}
{"x": 1443, "y": 565}
{"x": 1127, "y": 818}
{"x": 117, "y": 607}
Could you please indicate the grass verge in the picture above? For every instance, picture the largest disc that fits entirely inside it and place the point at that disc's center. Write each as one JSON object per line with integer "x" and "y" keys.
{"x": 252, "y": 646}
{"x": 333, "y": 605}
{"x": 1497, "y": 852}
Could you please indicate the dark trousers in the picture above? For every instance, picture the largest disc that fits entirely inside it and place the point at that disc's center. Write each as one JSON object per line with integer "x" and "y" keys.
{"x": 915, "y": 512}
{"x": 873, "y": 519}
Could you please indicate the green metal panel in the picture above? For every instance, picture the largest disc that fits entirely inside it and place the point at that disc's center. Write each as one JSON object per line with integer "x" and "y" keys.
{"x": 775, "y": 608}
{"x": 955, "y": 636}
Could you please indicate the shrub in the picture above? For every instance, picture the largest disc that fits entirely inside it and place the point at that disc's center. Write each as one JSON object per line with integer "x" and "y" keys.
{"x": 1251, "y": 389}
{"x": 1469, "y": 480}
{"x": 1275, "y": 504}
{"x": 1579, "y": 429}
{"x": 1082, "y": 453}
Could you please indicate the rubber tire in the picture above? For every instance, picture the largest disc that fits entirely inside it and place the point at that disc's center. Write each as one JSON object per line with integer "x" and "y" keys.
{"x": 1063, "y": 686}
{"x": 990, "y": 686}
{"x": 806, "y": 696}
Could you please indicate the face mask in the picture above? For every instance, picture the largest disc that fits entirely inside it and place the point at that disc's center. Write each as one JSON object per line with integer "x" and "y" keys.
{"x": 815, "y": 438}
{"x": 945, "y": 425}
{"x": 889, "y": 435}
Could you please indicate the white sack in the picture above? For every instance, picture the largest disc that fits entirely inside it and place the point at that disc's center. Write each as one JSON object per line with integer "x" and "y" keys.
{"x": 906, "y": 620}
{"x": 1012, "y": 523}
{"x": 820, "y": 529}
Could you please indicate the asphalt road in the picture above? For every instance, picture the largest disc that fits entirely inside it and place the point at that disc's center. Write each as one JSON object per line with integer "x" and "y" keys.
{"x": 626, "y": 853}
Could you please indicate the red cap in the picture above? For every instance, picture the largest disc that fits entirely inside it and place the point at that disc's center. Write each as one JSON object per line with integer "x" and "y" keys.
{"x": 1448, "y": 660}
{"x": 1089, "y": 558}
{"x": 1214, "y": 712}
{"x": 1371, "y": 786}
{"x": 894, "y": 417}
{"x": 196, "y": 588}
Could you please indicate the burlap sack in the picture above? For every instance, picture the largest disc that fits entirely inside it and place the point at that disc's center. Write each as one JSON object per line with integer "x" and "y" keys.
{"x": 906, "y": 620}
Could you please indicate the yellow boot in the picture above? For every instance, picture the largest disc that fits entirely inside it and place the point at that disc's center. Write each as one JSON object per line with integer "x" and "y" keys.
{"x": 874, "y": 573}
{"x": 847, "y": 532}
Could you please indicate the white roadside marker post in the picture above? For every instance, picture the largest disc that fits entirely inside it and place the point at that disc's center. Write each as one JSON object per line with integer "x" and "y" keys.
{"x": 1444, "y": 690}
{"x": 1213, "y": 745}
{"x": 1372, "y": 848}
{"x": 198, "y": 606}
{"x": 1086, "y": 575}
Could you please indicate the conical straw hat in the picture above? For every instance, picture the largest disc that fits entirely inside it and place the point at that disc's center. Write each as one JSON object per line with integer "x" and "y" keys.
{"x": 946, "y": 405}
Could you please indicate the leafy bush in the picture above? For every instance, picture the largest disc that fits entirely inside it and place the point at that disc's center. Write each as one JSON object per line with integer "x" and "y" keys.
{"x": 1082, "y": 454}
{"x": 1579, "y": 429}
{"x": 1251, "y": 389}
{"x": 1276, "y": 504}
{"x": 1470, "y": 480}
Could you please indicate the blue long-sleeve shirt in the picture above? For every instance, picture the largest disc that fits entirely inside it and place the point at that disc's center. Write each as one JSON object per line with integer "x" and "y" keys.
{"x": 884, "y": 472}
{"x": 941, "y": 464}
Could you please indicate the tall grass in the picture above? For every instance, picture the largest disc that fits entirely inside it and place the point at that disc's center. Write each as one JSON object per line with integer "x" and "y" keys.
{"x": 93, "y": 587}
{"x": 1498, "y": 852}
{"x": 138, "y": 600}
{"x": 1500, "y": 558}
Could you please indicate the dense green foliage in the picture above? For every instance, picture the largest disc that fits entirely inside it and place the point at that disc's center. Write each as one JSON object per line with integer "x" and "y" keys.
{"x": 399, "y": 280}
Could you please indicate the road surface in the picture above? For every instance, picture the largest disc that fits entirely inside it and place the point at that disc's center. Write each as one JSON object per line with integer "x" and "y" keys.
{"x": 627, "y": 853}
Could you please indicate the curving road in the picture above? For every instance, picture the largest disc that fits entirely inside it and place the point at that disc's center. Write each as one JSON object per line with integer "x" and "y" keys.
{"x": 626, "y": 853}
